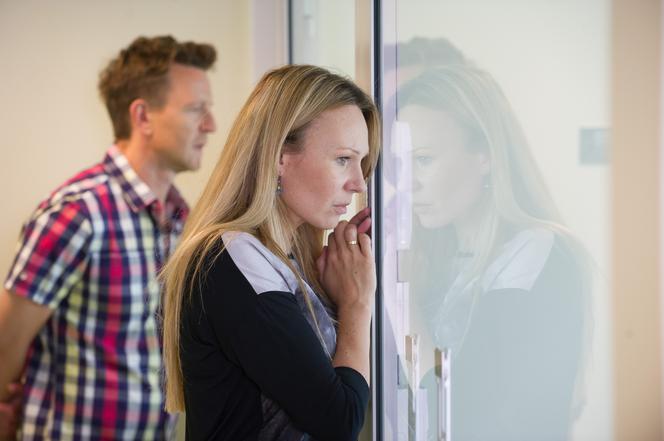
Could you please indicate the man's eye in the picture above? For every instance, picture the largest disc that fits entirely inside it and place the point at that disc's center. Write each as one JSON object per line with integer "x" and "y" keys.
{"x": 200, "y": 109}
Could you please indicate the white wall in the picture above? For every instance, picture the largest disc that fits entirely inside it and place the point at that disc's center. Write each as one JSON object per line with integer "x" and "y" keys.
{"x": 269, "y": 30}
{"x": 52, "y": 122}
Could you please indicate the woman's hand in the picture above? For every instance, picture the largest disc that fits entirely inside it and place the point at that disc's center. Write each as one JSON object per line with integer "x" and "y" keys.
{"x": 362, "y": 220}
{"x": 348, "y": 275}
{"x": 346, "y": 267}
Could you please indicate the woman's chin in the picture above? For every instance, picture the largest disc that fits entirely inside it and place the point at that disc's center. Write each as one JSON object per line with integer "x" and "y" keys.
{"x": 431, "y": 221}
{"x": 325, "y": 224}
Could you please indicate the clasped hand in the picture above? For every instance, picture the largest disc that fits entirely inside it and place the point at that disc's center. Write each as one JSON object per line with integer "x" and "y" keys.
{"x": 346, "y": 266}
{"x": 10, "y": 412}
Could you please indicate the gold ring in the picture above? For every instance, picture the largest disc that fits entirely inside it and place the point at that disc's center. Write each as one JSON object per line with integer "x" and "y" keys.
{"x": 352, "y": 242}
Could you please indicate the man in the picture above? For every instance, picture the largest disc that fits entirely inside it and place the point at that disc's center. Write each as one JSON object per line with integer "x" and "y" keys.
{"x": 81, "y": 299}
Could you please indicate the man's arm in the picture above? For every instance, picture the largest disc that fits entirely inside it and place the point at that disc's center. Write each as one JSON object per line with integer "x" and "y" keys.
{"x": 50, "y": 259}
{"x": 20, "y": 321}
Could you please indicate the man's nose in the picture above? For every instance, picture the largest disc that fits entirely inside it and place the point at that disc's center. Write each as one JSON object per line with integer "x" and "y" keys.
{"x": 208, "y": 124}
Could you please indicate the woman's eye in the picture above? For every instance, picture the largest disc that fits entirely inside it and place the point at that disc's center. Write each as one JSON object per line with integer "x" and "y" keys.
{"x": 343, "y": 160}
{"x": 423, "y": 160}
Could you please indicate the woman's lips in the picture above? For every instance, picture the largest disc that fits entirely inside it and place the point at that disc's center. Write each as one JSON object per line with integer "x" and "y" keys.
{"x": 422, "y": 208}
{"x": 340, "y": 209}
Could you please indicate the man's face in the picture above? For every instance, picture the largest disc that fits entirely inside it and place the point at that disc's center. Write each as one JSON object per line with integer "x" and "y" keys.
{"x": 180, "y": 127}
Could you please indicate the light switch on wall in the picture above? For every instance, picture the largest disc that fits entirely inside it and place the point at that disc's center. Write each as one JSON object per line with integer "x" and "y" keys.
{"x": 594, "y": 148}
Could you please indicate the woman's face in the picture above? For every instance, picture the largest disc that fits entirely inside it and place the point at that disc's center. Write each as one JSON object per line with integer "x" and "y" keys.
{"x": 448, "y": 177}
{"x": 319, "y": 181}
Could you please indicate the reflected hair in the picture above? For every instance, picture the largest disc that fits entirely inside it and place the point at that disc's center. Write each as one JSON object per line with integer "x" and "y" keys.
{"x": 241, "y": 194}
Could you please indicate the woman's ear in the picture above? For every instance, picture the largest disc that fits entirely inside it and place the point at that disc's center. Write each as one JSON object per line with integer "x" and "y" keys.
{"x": 484, "y": 163}
{"x": 281, "y": 164}
{"x": 285, "y": 161}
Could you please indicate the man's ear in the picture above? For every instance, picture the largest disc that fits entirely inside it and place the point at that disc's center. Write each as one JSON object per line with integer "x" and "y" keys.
{"x": 139, "y": 117}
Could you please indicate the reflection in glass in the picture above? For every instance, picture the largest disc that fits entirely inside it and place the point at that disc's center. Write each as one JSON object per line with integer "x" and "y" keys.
{"x": 496, "y": 278}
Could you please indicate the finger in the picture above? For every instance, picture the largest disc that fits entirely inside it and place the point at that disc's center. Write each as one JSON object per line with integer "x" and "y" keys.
{"x": 7, "y": 416}
{"x": 365, "y": 244}
{"x": 9, "y": 409}
{"x": 322, "y": 261}
{"x": 339, "y": 235}
{"x": 350, "y": 235}
{"x": 16, "y": 402}
{"x": 339, "y": 229}
{"x": 331, "y": 244}
{"x": 364, "y": 226}
{"x": 15, "y": 391}
{"x": 359, "y": 216}
{"x": 14, "y": 388}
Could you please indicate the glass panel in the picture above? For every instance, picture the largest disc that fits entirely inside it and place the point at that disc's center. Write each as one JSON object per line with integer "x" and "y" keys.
{"x": 323, "y": 33}
{"x": 495, "y": 232}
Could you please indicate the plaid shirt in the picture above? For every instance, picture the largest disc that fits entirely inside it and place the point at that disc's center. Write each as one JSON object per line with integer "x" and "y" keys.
{"x": 91, "y": 252}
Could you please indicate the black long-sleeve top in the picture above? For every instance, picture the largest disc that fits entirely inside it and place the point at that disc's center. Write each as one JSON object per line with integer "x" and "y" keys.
{"x": 517, "y": 351}
{"x": 254, "y": 367}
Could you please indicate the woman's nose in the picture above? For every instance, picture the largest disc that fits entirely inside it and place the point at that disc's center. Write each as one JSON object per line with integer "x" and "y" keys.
{"x": 357, "y": 183}
{"x": 415, "y": 184}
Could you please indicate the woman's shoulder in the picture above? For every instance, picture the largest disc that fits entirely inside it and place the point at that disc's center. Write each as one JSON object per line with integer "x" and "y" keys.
{"x": 263, "y": 270}
{"x": 524, "y": 258}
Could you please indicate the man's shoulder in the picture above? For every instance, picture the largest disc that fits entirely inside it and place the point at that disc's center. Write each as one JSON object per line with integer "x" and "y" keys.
{"x": 91, "y": 182}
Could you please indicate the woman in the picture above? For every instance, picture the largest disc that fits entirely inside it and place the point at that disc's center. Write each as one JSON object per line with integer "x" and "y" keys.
{"x": 496, "y": 277}
{"x": 252, "y": 296}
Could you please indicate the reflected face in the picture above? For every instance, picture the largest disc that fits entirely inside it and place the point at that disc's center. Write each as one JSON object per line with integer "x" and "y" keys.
{"x": 448, "y": 178}
{"x": 320, "y": 180}
{"x": 180, "y": 127}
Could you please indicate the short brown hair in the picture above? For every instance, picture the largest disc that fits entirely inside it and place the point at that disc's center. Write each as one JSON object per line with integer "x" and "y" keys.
{"x": 141, "y": 71}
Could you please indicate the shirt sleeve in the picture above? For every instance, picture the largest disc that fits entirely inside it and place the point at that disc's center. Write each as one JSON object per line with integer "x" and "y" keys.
{"x": 267, "y": 335}
{"x": 51, "y": 253}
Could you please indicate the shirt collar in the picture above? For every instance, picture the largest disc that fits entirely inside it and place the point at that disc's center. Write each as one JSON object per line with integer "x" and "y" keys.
{"x": 136, "y": 192}
{"x": 176, "y": 207}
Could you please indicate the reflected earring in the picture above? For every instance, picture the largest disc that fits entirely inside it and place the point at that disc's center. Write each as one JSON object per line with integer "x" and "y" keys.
{"x": 279, "y": 187}
{"x": 487, "y": 184}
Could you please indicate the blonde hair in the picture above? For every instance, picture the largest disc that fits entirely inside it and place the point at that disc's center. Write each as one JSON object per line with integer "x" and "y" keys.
{"x": 241, "y": 192}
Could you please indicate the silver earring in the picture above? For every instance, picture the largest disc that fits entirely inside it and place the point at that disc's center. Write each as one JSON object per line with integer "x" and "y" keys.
{"x": 279, "y": 187}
